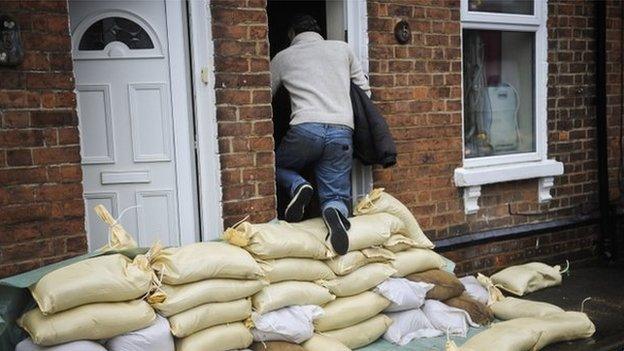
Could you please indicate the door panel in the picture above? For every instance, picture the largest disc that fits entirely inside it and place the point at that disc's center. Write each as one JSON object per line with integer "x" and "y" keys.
{"x": 123, "y": 78}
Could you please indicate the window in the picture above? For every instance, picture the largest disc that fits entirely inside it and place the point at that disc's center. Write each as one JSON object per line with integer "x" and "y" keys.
{"x": 504, "y": 70}
{"x": 113, "y": 29}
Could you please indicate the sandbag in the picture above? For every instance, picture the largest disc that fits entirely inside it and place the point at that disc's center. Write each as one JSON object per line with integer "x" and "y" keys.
{"x": 184, "y": 297}
{"x": 156, "y": 337}
{"x": 290, "y": 293}
{"x": 526, "y": 278}
{"x": 347, "y": 311}
{"x": 208, "y": 315}
{"x": 494, "y": 293}
{"x": 82, "y": 345}
{"x": 88, "y": 322}
{"x": 378, "y": 201}
{"x": 399, "y": 242}
{"x": 302, "y": 269}
{"x": 324, "y": 343}
{"x": 107, "y": 278}
{"x": 222, "y": 337}
{"x": 363, "y": 333}
{"x": 362, "y": 279}
{"x": 200, "y": 261}
{"x": 278, "y": 240}
{"x": 118, "y": 237}
{"x": 504, "y": 336}
{"x": 447, "y": 319}
{"x": 445, "y": 284}
{"x": 565, "y": 326}
{"x": 475, "y": 289}
{"x": 292, "y": 324}
{"x": 276, "y": 346}
{"x": 345, "y": 264}
{"x": 404, "y": 294}
{"x": 479, "y": 312}
{"x": 409, "y": 325}
{"x": 511, "y": 308}
{"x": 415, "y": 261}
{"x": 372, "y": 230}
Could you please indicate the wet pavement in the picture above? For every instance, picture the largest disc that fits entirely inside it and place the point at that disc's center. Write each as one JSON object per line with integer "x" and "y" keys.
{"x": 605, "y": 285}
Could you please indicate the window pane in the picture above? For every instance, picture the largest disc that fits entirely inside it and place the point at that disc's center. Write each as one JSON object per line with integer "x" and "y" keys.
{"x": 112, "y": 29}
{"x": 520, "y": 7}
{"x": 499, "y": 92}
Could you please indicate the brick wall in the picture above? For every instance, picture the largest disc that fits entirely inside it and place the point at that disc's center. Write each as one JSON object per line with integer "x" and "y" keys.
{"x": 41, "y": 207}
{"x": 244, "y": 113}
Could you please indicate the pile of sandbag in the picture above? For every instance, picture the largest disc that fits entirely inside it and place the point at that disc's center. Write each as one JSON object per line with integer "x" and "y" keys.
{"x": 205, "y": 294}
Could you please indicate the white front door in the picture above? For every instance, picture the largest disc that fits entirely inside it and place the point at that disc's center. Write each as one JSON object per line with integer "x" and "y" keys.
{"x": 130, "y": 63}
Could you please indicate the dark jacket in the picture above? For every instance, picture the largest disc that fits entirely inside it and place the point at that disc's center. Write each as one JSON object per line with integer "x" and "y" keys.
{"x": 372, "y": 141}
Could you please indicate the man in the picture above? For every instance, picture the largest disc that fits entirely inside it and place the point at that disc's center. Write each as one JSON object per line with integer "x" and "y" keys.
{"x": 317, "y": 75}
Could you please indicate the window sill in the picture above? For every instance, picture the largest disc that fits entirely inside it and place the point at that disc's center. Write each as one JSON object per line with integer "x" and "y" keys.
{"x": 471, "y": 179}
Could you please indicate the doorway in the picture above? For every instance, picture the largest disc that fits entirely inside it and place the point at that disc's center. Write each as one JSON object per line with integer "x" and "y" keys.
{"x": 131, "y": 66}
{"x": 344, "y": 20}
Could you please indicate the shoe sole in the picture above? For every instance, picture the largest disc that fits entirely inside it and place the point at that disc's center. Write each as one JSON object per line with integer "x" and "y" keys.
{"x": 337, "y": 232}
{"x": 296, "y": 206}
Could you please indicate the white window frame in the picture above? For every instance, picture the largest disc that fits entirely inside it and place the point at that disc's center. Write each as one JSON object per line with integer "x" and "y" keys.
{"x": 479, "y": 171}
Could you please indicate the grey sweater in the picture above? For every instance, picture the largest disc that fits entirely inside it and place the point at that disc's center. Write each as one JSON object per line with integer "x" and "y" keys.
{"x": 317, "y": 74}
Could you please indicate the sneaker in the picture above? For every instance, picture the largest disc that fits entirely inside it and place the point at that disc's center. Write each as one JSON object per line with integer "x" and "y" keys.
{"x": 296, "y": 206}
{"x": 337, "y": 231}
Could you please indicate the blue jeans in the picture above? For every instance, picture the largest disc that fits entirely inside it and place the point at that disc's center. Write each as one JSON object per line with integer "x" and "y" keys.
{"x": 329, "y": 148}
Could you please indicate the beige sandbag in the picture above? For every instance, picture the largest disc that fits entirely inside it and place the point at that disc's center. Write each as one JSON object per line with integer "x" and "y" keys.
{"x": 89, "y": 322}
{"x": 445, "y": 285}
{"x": 362, "y": 279}
{"x": 209, "y": 315}
{"x": 107, "y": 278}
{"x": 399, "y": 242}
{"x": 275, "y": 346}
{"x": 494, "y": 293}
{"x": 199, "y": 261}
{"x": 479, "y": 312}
{"x": 222, "y": 337}
{"x": 324, "y": 343}
{"x": 372, "y": 230}
{"x": 511, "y": 308}
{"x": 361, "y": 334}
{"x": 118, "y": 237}
{"x": 504, "y": 336}
{"x": 526, "y": 278}
{"x": 290, "y": 293}
{"x": 184, "y": 297}
{"x": 347, "y": 311}
{"x": 345, "y": 264}
{"x": 565, "y": 326}
{"x": 302, "y": 269}
{"x": 277, "y": 240}
{"x": 415, "y": 261}
{"x": 379, "y": 201}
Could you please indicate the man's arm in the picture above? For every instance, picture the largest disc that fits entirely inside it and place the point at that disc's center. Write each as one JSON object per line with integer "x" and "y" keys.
{"x": 276, "y": 80}
{"x": 357, "y": 74}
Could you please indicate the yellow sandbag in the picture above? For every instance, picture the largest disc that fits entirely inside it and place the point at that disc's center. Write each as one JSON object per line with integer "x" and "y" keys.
{"x": 565, "y": 326}
{"x": 277, "y": 240}
{"x": 324, "y": 343}
{"x": 361, "y": 334}
{"x": 302, "y": 269}
{"x": 379, "y": 201}
{"x": 208, "y": 315}
{"x": 89, "y": 322}
{"x": 345, "y": 264}
{"x": 416, "y": 261}
{"x": 290, "y": 293}
{"x": 222, "y": 337}
{"x": 183, "y": 297}
{"x": 399, "y": 242}
{"x": 362, "y": 279}
{"x": 494, "y": 293}
{"x": 372, "y": 230}
{"x": 514, "y": 335}
{"x": 347, "y": 311}
{"x": 118, "y": 237}
{"x": 526, "y": 278}
{"x": 511, "y": 308}
{"x": 200, "y": 261}
{"x": 108, "y": 278}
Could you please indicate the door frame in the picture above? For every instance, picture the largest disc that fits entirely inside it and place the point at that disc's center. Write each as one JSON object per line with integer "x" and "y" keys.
{"x": 205, "y": 108}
